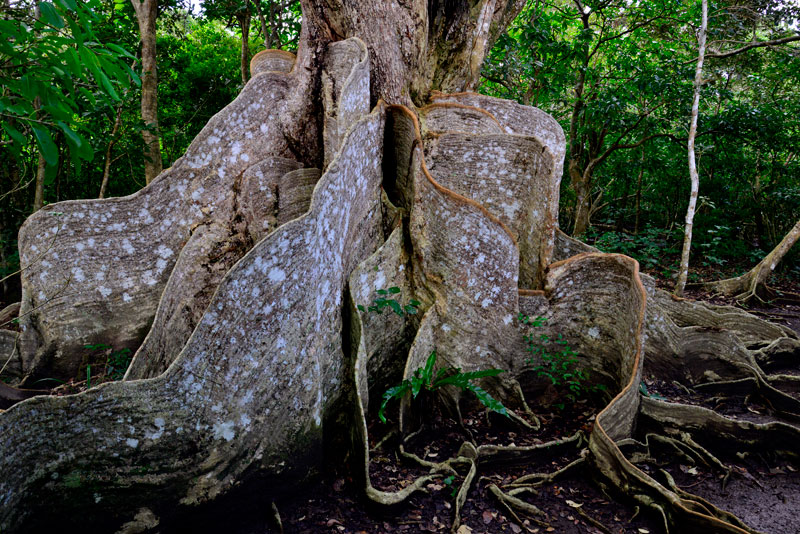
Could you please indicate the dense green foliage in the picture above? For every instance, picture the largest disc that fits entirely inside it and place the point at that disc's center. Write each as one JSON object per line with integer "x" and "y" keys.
{"x": 637, "y": 61}
{"x": 616, "y": 74}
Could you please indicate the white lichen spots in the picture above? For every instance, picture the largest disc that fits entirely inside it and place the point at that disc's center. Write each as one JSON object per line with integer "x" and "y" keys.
{"x": 147, "y": 278}
{"x": 380, "y": 280}
{"x": 104, "y": 291}
{"x": 485, "y": 303}
{"x": 224, "y": 430}
{"x": 79, "y": 247}
{"x": 127, "y": 247}
{"x": 594, "y": 332}
{"x": 145, "y": 216}
{"x": 163, "y": 251}
{"x": 97, "y": 498}
{"x": 161, "y": 264}
{"x": 277, "y": 274}
{"x": 90, "y": 241}
{"x": 159, "y": 423}
{"x": 132, "y": 442}
{"x": 77, "y": 274}
{"x": 507, "y": 319}
{"x": 446, "y": 327}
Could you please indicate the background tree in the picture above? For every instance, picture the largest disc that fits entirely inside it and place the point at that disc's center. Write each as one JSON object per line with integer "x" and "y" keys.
{"x": 146, "y": 15}
{"x": 694, "y": 178}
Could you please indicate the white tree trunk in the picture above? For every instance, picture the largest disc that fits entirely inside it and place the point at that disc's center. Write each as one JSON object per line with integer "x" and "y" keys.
{"x": 693, "y": 175}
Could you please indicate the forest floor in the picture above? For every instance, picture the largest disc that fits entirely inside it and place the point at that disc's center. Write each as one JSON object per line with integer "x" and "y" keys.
{"x": 761, "y": 490}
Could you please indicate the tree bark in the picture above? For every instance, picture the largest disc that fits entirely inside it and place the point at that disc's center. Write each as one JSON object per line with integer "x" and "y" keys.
{"x": 683, "y": 270}
{"x": 146, "y": 14}
{"x": 749, "y": 285}
{"x": 639, "y": 194}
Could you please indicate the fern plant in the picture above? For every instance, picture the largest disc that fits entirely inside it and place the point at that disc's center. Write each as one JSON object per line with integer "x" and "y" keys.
{"x": 426, "y": 379}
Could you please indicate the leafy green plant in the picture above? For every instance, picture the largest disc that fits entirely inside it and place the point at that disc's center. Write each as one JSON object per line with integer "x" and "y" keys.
{"x": 425, "y": 379}
{"x": 117, "y": 361}
{"x": 560, "y": 366}
{"x": 382, "y": 302}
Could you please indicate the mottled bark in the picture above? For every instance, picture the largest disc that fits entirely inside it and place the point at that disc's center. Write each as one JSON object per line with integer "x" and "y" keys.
{"x": 146, "y": 13}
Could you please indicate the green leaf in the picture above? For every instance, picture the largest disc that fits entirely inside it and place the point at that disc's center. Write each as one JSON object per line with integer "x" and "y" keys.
{"x": 427, "y": 372}
{"x": 50, "y": 14}
{"x": 382, "y": 292}
{"x": 487, "y": 400}
{"x": 361, "y": 308}
{"x": 46, "y": 145}
{"x": 396, "y": 392}
{"x": 394, "y": 290}
{"x": 395, "y": 307}
{"x": 14, "y": 134}
{"x": 69, "y": 5}
{"x": 118, "y": 49}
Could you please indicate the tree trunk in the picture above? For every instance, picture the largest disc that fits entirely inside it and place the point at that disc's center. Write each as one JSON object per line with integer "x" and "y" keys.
{"x": 243, "y": 18}
{"x": 242, "y": 278}
{"x": 146, "y": 13}
{"x": 41, "y": 165}
{"x": 265, "y": 33}
{"x": 639, "y": 194}
{"x": 107, "y": 159}
{"x": 748, "y": 285}
{"x": 38, "y": 196}
{"x": 683, "y": 270}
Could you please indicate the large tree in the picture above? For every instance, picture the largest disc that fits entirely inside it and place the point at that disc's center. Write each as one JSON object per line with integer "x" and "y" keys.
{"x": 239, "y": 276}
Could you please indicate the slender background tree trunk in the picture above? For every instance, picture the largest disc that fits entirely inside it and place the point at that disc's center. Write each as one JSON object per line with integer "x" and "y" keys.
{"x": 146, "y": 13}
{"x": 680, "y": 285}
{"x": 243, "y": 17}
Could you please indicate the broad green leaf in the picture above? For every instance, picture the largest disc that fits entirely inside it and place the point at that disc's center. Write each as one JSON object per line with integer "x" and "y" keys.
{"x": 69, "y": 5}
{"x": 14, "y": 134}
{"x": 46, "y": 146}
{"x": 50, "y": 14}
{"x": 487, "y": 400}
{"x": 70, "y": 134}
{"x": 395, "y": 307}
{"x": 119, "y": 50}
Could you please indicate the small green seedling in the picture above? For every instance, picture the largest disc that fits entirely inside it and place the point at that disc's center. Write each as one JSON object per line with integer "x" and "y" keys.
{"x": 561, "y": 365}
{"x": 382, "y": 302}
{"x": 424, "y": 378}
